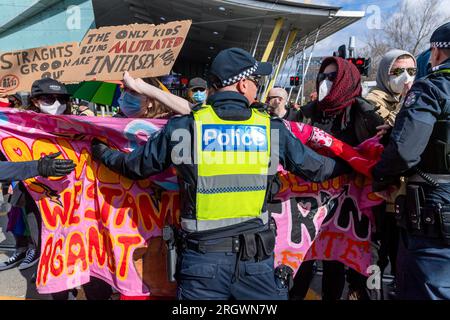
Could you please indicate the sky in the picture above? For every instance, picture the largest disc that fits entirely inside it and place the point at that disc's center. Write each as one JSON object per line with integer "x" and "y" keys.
{"x": 360, "y": 29}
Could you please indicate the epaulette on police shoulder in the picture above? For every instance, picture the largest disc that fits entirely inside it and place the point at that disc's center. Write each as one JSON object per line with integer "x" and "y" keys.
{"x": 261, "y": 112}
{"x": 197, "y": 107}
{"x": 437, "y": 73}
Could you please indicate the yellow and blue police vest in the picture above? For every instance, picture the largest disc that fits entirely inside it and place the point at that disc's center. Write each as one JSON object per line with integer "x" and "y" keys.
{"x": 232, "y": 165}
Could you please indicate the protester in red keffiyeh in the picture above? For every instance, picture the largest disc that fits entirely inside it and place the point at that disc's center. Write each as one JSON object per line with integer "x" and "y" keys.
{"x": 340, "y": 111}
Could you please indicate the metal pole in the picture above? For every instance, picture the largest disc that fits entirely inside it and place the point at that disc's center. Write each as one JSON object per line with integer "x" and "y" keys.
{"x": 288, "y": 71}
{"x": 288, "y": 43}
{"x": 276, "y": 30}
{"x": 268, "y": 78}
{"x": 302, "y": 62}
{"x": 296, "y": 72}
{"x": 307, "y": 66}
{"x": 300, "y": 89}
{"x": 257, "y": 41}
{"x": 290, "y": 92}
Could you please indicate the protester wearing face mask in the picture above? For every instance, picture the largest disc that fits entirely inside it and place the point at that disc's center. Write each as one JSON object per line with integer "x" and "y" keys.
{"x": 132, "y": 104}
{"x": 340, "y": 111}
{"x": 396, "y": 74}
{"x": 136, "y": 105}
{"x": 160, "y": 103}
{"x": 197, "y": 91}
{"x": 50, "y": 97}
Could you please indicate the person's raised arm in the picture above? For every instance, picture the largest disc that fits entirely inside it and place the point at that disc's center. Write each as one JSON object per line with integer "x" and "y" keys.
{"x": 177, "y": 104}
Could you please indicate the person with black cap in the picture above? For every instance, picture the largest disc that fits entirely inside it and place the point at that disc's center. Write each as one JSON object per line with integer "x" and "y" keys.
{"x": 50, "y": 96}
{"x": 226, "y": 155}
{"x": 419, "y": 148}
{"x": 197, "y": 90}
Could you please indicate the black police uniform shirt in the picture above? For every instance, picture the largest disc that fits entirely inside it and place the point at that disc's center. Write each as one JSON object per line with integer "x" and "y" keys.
{"x": 422, "y": 106}
{"x": 155, "y": 156}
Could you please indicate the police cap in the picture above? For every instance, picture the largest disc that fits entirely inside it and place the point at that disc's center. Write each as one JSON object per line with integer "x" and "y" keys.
{"x": 441, "y": 37}
{"x": 234, "y": 64}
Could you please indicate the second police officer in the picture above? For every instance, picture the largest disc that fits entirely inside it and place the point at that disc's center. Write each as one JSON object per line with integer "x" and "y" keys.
{"x": 419, "y": 148}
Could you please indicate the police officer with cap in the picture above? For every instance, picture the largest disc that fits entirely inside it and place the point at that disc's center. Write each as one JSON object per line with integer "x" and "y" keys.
{"x": 226, "y": 156}
{"x": 419, "y": 148}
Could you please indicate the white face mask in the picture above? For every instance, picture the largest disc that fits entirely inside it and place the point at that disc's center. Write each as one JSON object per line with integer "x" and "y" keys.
{"x": 53, "y": 109}
{"x": 397, "y": 83}
{"x": 324, "y": 89}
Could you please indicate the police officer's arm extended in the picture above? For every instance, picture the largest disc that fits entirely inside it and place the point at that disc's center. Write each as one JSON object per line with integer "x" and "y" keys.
{"x": 141, "y": 163}
{"x": 303, "y": 161}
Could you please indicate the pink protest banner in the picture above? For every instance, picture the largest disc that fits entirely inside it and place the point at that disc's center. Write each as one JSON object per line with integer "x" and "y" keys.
{"x": 330, "y": 220}
{"x": 324, "y": 221}
{"x": 98, "y": 223}
{"x": 93, "y": 220}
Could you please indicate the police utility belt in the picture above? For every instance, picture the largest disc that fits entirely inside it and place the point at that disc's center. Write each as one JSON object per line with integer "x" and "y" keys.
{"x": 419, "y": 218}
{"x": 258, "y": 246}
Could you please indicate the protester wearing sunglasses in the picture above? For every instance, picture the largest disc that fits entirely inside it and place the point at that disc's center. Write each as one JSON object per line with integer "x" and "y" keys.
{"x": 395, "y": 76}
{"x": 50, "y": 96}
{"x": 197, "y": 90}
{"x": 340, "y": 111}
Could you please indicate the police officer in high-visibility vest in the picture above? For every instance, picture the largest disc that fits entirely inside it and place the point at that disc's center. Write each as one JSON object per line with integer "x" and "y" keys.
{"x": 419, "y": 148}
{"x": 226, "y": 156}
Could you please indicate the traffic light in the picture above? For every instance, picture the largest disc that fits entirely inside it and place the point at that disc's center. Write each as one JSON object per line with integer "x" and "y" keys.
{"x": 363, "y": 65}
{"x": 294, "y": 81}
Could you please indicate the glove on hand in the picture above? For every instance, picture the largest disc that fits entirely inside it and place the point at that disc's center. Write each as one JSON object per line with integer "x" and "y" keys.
{"x": 49, "y": 166}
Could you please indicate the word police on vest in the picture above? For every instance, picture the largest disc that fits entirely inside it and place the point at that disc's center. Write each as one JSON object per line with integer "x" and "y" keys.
{"x": 224, "y": 137}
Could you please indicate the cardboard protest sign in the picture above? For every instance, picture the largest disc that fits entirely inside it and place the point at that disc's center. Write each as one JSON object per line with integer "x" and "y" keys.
{"x": 144, "y": 50}
{"x": 18, "y": 69}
